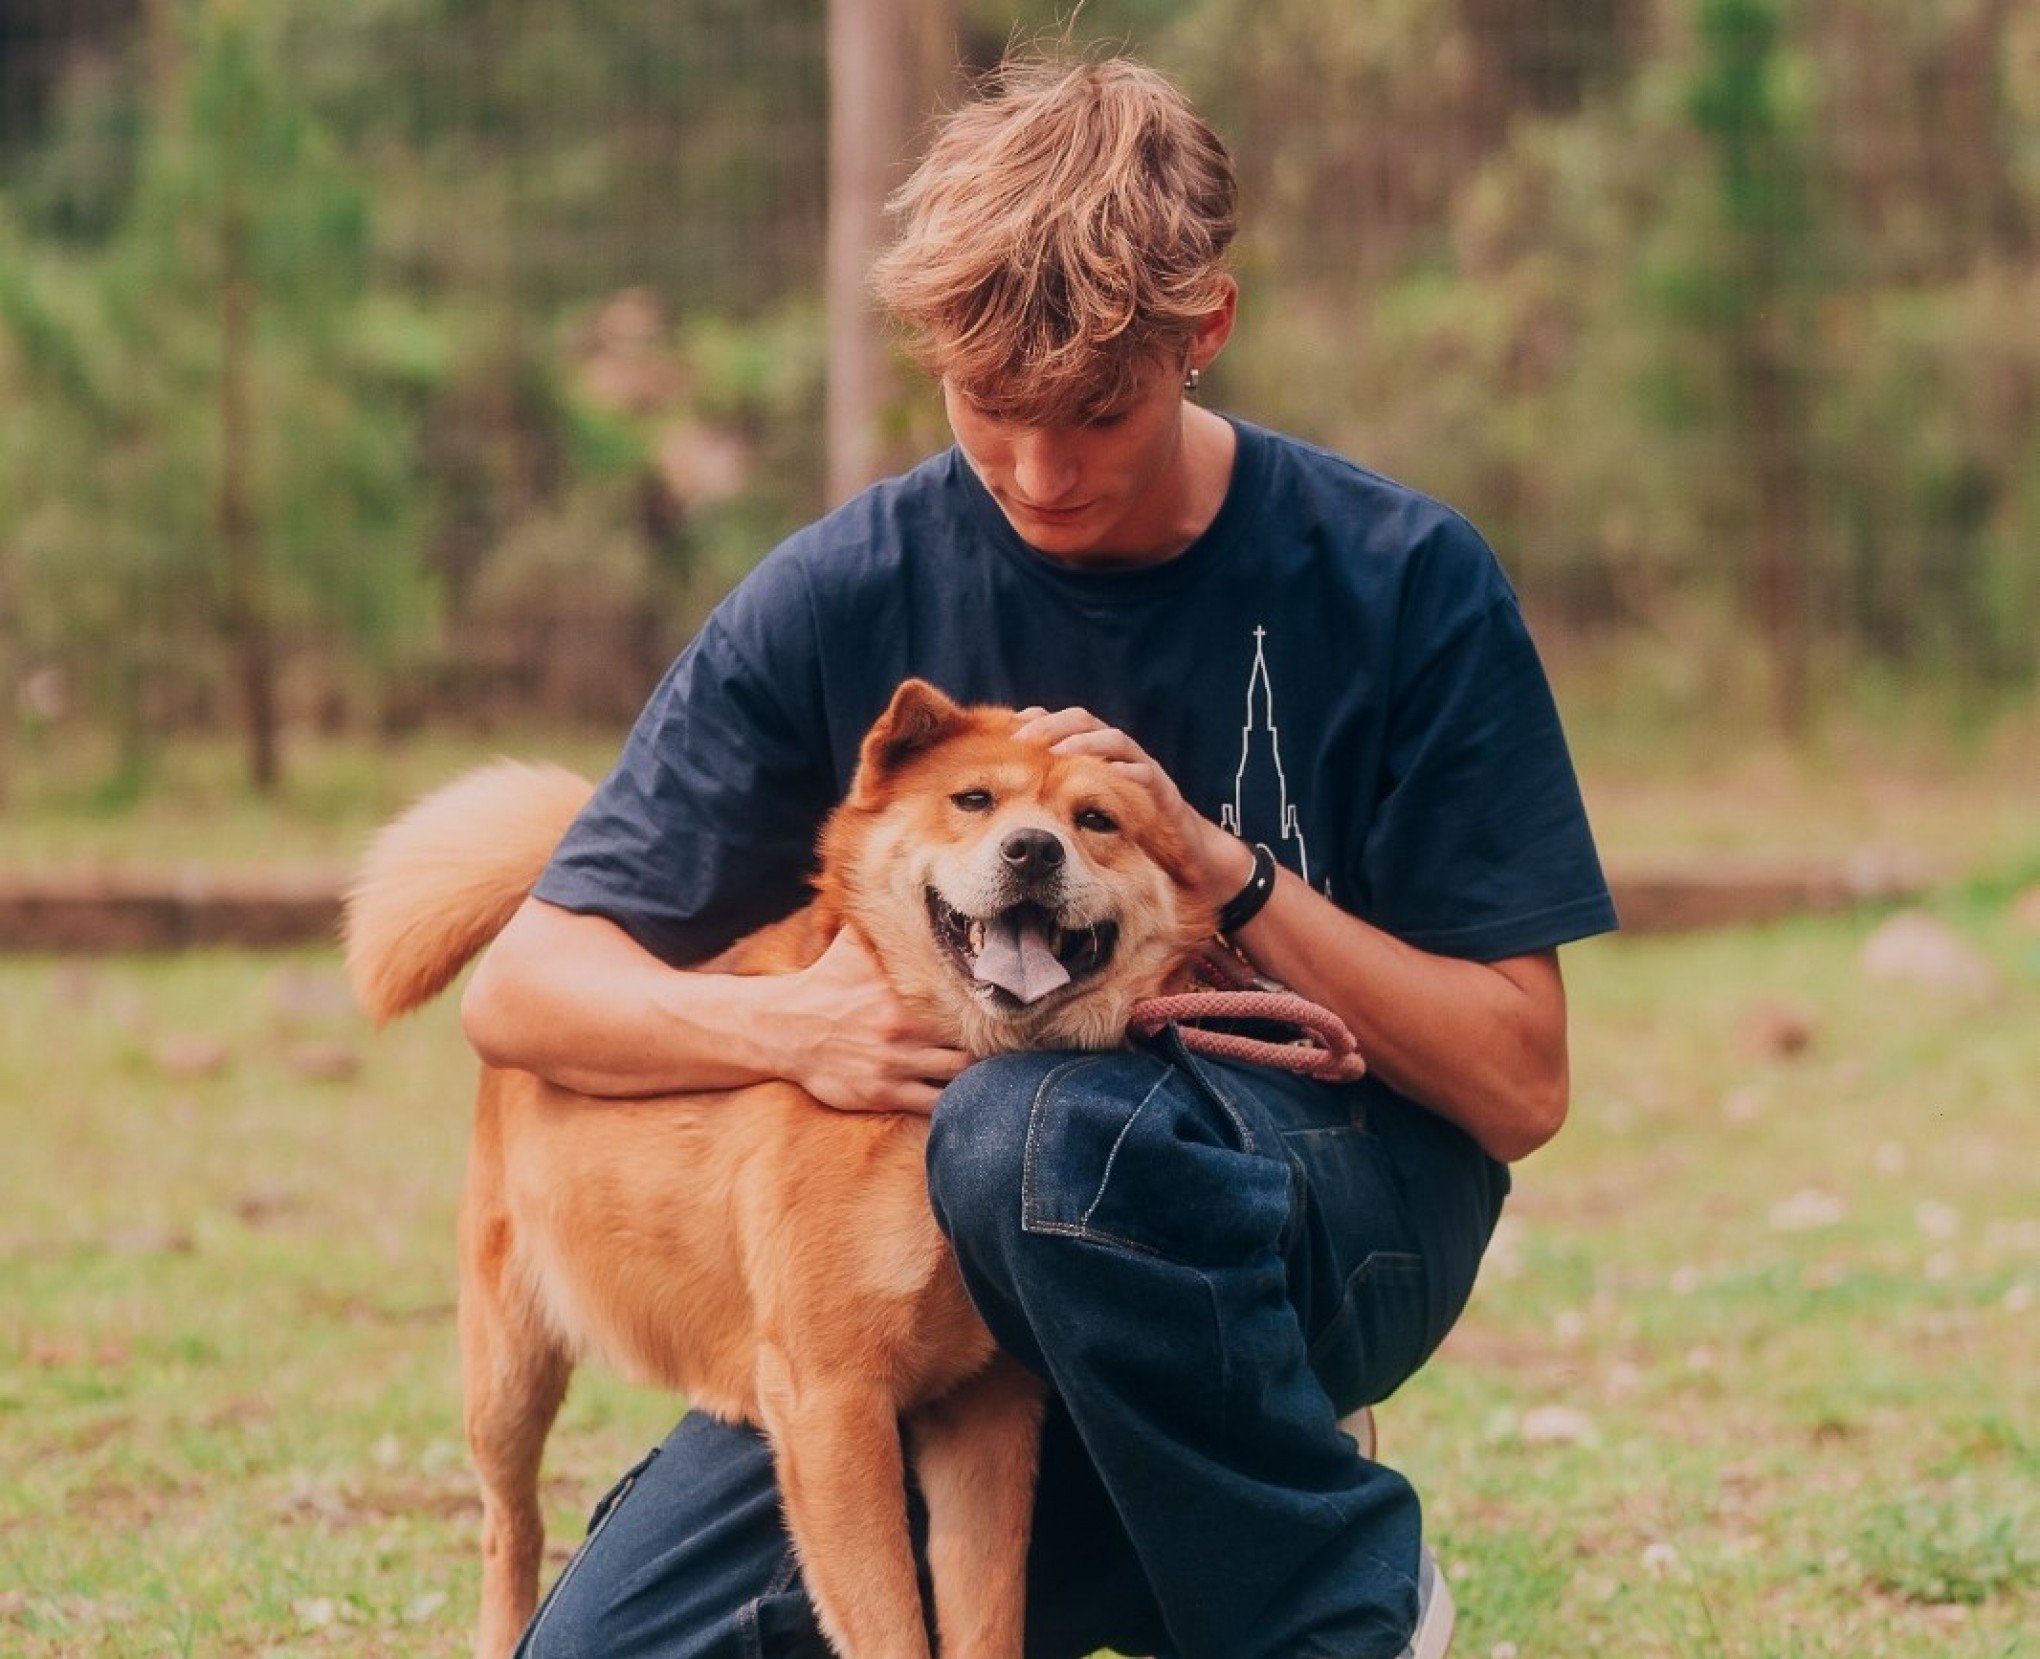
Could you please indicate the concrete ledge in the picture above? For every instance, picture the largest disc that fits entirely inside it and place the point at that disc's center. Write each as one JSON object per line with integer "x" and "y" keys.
{"x": 98, "y": 912}
{"x": 1691, "y": 893}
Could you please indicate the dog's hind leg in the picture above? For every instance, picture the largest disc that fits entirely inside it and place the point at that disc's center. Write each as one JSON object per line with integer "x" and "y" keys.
{"x": 975, "y": 1452}
{"x": 513, "y": 1377}
{"x": 842, "y": 1480}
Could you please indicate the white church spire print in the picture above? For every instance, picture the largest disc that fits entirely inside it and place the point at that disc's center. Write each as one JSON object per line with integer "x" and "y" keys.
{"x": 1261, "y": 756}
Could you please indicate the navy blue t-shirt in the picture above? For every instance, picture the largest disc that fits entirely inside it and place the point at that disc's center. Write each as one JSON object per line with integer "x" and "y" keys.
{"x": 1337, "y": 667}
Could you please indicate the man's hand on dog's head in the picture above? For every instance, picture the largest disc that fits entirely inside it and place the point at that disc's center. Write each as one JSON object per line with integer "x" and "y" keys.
{"x": 1222, "y": 862}
{"x": 853, "y": 1045}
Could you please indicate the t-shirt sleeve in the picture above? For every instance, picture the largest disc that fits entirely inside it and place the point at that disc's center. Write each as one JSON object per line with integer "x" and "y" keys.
{"x": 705, "y": 829}
{"x": 1479, "y": 845}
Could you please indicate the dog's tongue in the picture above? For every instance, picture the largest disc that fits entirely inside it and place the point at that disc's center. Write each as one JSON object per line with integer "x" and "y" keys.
{"x": 1017, "y": 958}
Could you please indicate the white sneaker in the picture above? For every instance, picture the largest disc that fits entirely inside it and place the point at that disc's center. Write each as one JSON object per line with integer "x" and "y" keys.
{"x": 1435, "y": 1617}
{"x": 1435, "y": 1614}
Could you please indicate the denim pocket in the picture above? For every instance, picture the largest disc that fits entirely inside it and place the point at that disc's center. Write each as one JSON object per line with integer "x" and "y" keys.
{"x": 1125, "y": 1150}
{"x": 1376, "y": 1338}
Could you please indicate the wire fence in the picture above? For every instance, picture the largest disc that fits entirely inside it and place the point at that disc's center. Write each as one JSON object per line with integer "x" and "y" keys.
{"x": 445, "y": 358}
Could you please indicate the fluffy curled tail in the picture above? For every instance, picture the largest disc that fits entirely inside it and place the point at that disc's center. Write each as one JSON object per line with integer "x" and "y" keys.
{"x": 442, "y": 880}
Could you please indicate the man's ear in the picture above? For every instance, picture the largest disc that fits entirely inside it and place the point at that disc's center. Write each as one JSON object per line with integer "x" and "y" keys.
{"x": 917, "y": 718}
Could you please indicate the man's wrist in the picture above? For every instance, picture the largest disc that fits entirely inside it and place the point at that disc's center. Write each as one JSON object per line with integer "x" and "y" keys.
{"x": 1227, "y": 864}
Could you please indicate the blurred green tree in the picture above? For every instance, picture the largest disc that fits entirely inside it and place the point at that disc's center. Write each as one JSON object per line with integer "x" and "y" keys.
{"x": 1757, "y": 271}
{"x": 214, "y": 442}
{"x": 1715, "y": 314}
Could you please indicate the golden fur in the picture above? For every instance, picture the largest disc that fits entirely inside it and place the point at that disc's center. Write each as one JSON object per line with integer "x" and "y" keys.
{"x": 774, "y": 1260}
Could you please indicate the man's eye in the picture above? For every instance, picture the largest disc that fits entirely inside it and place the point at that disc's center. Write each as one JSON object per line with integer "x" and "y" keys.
{"x": 972, "y": 800}
{"x": 1101, "y": 823}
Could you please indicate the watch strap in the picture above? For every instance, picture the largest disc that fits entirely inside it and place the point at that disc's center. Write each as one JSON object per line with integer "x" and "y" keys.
{"x": 1246, "y": 904}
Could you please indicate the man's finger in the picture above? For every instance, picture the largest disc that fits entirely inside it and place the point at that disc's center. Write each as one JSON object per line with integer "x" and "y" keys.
{"x": 1108, "y": 745}
{"x": 939, "y": 1065}
{"x": 1048, "y": 728}
{"x": 918, "y": 1098}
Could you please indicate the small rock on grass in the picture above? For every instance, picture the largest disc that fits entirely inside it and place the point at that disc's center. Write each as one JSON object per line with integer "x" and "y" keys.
{"x": 1914, "y": 948}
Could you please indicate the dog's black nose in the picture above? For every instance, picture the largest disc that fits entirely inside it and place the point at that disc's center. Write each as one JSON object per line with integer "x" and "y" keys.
{"x": 1032, "y": 853}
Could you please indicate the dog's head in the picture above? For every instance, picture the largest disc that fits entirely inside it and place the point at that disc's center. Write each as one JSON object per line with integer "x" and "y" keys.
{"x": 1026, "y": 899}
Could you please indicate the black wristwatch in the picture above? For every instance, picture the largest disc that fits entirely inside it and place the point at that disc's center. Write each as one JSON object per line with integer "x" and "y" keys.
{"x": 1246, "y": 904}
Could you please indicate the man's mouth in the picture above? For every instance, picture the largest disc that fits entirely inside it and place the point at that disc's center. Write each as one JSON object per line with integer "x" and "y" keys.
{"x": 1021, "y": 954}
{"x": 1053, "y": 514}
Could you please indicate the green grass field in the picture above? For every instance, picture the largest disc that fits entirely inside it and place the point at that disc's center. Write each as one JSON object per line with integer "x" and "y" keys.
{"x": 1754, "y": 1370}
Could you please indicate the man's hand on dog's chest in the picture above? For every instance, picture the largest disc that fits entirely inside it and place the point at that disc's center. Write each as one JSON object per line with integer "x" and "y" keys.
{"x": 851, "y": 1042}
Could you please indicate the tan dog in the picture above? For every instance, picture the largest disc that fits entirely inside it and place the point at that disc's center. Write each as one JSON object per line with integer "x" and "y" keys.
{"x": 774, "y": 1260}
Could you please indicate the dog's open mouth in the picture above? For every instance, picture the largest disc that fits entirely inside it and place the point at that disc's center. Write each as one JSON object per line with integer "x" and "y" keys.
{"x": 1022, "y": 953}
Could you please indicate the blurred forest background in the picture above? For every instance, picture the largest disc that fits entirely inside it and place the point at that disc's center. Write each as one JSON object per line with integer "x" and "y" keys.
{"x": 400, "y": 364}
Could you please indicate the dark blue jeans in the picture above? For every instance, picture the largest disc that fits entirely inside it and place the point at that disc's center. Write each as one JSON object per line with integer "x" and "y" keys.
{"x": 1209, "y": 1264}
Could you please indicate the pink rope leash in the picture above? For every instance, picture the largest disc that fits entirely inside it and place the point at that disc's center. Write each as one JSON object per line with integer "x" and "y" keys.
{"x": 1323, "y": 1048}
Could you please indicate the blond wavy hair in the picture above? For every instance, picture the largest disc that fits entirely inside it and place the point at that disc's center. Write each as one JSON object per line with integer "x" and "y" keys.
{"x": 1062, "y": 238}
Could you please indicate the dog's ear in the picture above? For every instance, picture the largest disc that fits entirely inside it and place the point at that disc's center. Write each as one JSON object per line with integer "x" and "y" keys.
{"x": 918, "y": 717}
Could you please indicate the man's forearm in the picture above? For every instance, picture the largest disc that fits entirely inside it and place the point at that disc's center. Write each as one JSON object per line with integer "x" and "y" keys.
{"x": 1481, "y": 1044}
{"x": 577, "y": 1001}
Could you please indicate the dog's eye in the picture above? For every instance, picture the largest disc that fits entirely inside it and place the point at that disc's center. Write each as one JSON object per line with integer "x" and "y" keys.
{"x": 1102, "y": 823}
{"x": 972, "y": 800}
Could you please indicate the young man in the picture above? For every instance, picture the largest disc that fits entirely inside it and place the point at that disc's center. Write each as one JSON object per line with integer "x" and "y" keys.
{"x": 1325, "y": 679}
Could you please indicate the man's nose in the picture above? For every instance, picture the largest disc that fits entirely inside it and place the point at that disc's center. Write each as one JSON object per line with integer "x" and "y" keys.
{"x": 1045, "y": 469}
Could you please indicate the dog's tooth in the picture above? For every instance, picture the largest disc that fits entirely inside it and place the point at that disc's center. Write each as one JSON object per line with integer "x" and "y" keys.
{"x": 977, "y": 937}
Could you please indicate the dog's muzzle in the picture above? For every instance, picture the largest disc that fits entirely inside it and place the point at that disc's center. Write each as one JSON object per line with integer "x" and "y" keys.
{"x": 1023, "y": 952}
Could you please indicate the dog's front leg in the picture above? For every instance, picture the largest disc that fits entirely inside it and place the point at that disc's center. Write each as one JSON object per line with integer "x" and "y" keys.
{"x": 842, "y": 1478}
{"x": 975, "y": 1453}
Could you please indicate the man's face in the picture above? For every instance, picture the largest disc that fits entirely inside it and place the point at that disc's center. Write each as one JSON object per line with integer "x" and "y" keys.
{"x": 1110, "y": 490}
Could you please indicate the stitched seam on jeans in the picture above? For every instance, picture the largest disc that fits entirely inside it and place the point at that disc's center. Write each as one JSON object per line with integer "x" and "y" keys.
{"x": 1327, "y": 1131}
{"x": 1225, "y": 1358}
{"x": 748, "y": 1621}
{"x": 1112, "y": 1157}
{"x": 1034, "y": 1123}
{"x": 580, "y": 1555}
{"x": 1099, "y": 1236}
{"x": 789, "y": 1570}
{"x": 1382, "y": 1263}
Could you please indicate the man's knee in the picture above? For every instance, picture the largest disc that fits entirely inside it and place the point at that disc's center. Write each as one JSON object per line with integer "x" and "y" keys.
{"x": 1113, "y": 1149}
{"x": 977, "y": 1145}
